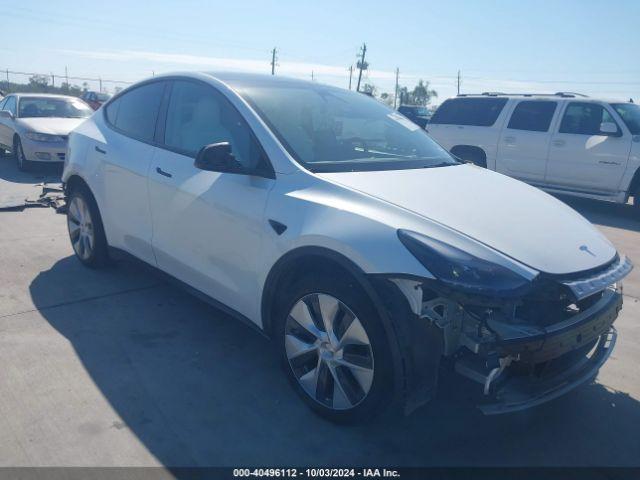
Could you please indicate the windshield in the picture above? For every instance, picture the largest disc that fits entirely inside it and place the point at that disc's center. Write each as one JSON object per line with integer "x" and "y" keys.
{"x": 328, "y": 129}
{"x": 31, "y": 107}
{"x": 630, "y": 114}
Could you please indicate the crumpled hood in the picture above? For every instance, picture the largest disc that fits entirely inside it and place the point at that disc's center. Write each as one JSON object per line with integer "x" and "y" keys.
{"x": 51, "y": 125}
{"x": 510, "y": 216}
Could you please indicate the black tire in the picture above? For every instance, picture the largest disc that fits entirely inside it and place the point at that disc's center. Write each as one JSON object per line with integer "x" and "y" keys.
{"x": 24, "y": 165}
{"x": 350, "y": 294}
{"x": 98, "y": 255}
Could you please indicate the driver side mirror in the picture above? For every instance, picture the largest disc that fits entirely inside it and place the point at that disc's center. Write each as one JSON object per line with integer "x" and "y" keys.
{"x": 6, "y": 114}
{"x": 217, "y": 157}
{"x": 610, "y": 129}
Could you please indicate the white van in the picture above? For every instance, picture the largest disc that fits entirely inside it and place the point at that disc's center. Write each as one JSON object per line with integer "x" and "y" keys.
{"x": 564, "y": 143}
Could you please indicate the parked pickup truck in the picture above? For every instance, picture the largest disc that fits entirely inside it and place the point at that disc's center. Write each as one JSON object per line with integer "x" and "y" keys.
{"x": 564, "y": 143}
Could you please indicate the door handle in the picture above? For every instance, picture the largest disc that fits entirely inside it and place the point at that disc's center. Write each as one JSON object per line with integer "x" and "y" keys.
{"x": 509, "y": 139}
{"x": 604, "y": 162}
{"x": 99, "y": 150}
{"x": 559, "y": 143}
{"x": 162, "y": 172}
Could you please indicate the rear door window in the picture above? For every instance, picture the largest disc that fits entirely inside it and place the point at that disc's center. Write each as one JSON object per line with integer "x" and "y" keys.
{"x": 480, "y": 112}
{"x": 584, "y": 118}
{"x": 135, "y": 113}
{"x": 534, "y": 116}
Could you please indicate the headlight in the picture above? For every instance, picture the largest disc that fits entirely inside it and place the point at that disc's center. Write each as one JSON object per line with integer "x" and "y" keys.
{"x": 463, "y": 271}
{"x": 44, "y": 137}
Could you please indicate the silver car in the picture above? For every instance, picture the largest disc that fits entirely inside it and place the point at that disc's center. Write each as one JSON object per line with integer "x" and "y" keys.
{"x": 35, "y": 127}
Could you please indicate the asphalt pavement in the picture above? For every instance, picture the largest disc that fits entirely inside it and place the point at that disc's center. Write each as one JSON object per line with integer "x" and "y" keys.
{"x": 115, "y": 367}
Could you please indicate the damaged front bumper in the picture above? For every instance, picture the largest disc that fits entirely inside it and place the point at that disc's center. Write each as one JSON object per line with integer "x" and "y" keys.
{"x": 522, "y": 352}
{"x": 520, "y": 393}
{"x": 523, "y": 372}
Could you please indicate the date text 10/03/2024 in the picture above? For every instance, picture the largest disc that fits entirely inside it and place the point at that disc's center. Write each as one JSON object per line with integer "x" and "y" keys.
{"x": 316, "y": 472}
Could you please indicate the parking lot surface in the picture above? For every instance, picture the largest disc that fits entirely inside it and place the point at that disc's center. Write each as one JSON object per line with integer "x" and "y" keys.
{"x": 115, "y": 367}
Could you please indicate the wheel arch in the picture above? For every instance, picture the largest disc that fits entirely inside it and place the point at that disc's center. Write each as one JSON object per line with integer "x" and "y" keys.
{"x": 297, "y": 262}
{"x": 634, "y": 186}
{"x": 76, "y": 181}
{"x": 472, "y": 153}
{"x": 415, "y": 346}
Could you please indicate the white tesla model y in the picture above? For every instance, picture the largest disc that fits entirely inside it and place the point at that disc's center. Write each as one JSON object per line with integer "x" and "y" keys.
{"x": 370, "y": 256}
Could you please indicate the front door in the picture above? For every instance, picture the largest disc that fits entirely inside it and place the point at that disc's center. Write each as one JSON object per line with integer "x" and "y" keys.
{"x": 208, "y": 226}
{"x": 581, "y": 157}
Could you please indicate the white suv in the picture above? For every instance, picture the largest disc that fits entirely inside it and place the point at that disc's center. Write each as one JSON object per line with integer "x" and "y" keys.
{"x": 564, "y": 143}
{"x": 343, "y": 232}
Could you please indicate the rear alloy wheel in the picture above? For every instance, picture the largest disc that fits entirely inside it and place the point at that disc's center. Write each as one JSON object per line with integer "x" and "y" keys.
{"x": 329, "y": 351}
{"x": 80, "y": 228}
{"x": 85, "y": 229}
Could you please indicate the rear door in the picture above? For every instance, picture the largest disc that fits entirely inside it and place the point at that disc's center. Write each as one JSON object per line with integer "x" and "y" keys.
{"x": 124, "y": 152}
{"x": 581, "y": 157}
{"x": 474, "y": 121}
{"x": 208, "y": 226}
{"x": 523, "y": 148}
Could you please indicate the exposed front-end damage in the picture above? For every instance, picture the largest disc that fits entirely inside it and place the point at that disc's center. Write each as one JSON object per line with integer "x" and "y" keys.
{"x": 522, "y": 350}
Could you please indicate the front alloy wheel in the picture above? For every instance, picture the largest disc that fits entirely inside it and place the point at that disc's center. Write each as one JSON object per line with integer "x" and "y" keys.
{"x": 329, "y": 351}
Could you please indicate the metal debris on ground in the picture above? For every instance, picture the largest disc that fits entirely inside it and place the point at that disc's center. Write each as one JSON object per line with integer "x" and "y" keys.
{"x": 51, "y": 196}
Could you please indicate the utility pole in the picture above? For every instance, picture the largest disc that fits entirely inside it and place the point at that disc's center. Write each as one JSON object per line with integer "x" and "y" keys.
{"x": 350, "y": 75}
{"x": 53, "y": 80}
{"x": 395, "y": 97}
{"x": 459, "y": 81}
{"x": 362, "y": 65}
{"x": 100, "y": 80}
{"x": 312, "y": 75}
{"x": 66, "y": 76}
{"x": 273, "y": 61}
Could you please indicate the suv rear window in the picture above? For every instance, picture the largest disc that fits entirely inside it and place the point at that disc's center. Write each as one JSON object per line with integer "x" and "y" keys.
{"x": 480, "y": 112}
{"x": 534, "y": 116}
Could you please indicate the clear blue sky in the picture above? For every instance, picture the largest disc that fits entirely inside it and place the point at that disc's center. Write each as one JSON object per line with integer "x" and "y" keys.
{"x": 586, "y": 46}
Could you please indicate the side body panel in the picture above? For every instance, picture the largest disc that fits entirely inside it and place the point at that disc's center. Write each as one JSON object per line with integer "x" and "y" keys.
{"x": 209, "y": 228}
{"x": 116, "y": 168}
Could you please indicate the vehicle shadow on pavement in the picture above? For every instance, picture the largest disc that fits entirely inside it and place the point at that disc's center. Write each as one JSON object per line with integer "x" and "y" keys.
{"x": 198, "y": 388}
{"x": 606, "y": 213}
